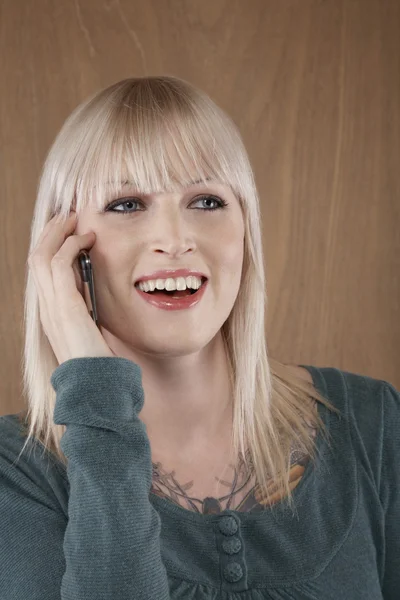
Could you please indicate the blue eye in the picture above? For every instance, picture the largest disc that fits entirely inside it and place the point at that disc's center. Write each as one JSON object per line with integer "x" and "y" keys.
{"x": 220, "y": 204}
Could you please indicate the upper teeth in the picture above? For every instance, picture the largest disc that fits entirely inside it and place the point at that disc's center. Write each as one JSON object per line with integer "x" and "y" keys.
{"x": 180, "y": 283}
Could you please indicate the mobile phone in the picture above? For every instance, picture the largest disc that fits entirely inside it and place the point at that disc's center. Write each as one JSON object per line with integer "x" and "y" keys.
{"x": 86, "y": 271}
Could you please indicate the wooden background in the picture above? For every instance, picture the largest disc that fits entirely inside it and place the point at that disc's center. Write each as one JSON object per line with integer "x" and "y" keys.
{"x": 314, "y": 86}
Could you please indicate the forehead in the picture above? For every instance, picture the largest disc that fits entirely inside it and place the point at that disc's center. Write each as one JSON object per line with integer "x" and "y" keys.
{"x": 175, "y": 185}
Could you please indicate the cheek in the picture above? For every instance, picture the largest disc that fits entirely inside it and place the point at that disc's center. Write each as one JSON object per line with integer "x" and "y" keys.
{"x": 113, "y": 246}
{"x": 112, "y": 260}
{"x": 231, "y": 241}
{"x": 229, "y": 257}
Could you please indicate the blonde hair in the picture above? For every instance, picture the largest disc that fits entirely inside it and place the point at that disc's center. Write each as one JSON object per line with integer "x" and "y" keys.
{"x": 126, "y": 133}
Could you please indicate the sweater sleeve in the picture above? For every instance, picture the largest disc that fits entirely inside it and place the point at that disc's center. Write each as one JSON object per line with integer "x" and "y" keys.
{"x": 390, "y": 491}
{"x": 112, "y": 539}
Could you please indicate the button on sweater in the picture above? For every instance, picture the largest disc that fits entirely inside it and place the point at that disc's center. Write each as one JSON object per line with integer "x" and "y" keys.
{"x": 94, "y": 531}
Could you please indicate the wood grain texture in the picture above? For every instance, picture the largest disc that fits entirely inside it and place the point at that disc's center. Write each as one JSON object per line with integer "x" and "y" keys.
{"x": 314, "y": 86}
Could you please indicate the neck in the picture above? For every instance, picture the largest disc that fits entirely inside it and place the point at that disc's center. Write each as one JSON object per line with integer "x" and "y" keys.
{"x": 188, "y": 399}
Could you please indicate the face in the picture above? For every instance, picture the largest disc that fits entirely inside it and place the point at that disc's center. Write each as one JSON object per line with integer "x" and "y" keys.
{"x": 164, "y": 231}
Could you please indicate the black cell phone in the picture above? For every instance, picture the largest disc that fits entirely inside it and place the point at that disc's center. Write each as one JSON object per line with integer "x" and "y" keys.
{"x": 86, "y": 270}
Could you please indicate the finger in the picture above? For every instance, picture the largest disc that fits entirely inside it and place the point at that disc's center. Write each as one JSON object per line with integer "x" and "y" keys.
{"x": 60, "y": 299}
{"x": 50, "y": 241}
{"x": 66, "y": 293}
{"x": 53, "y": 236}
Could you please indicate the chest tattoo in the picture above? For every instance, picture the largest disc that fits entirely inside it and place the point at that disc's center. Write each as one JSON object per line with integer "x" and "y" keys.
{"x": 243, "y": 492}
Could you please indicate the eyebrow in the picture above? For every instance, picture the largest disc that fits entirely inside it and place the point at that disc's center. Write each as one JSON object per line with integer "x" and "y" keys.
{"x": 130, "y": 183}
{"x": 199, "y": 181}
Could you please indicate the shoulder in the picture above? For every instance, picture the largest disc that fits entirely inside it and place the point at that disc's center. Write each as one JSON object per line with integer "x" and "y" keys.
{"x": 349, "y": 391}
{"x": 357, "y": 397}
{"x": 12, "y": 436}
{"x": 368, "y": 419}
{"x": 34, "y": 517}
{"x": 28, "y": 472}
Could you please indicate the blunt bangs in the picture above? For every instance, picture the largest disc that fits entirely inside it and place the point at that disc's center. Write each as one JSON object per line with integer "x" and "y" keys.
{"x": 151, "y": 139}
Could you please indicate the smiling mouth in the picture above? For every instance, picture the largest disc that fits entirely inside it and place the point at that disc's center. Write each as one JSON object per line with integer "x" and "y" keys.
{"x": 174, "y": 293}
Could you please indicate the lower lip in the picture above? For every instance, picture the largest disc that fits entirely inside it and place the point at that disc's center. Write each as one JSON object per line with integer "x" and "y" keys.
{"x": 174, "y": 303}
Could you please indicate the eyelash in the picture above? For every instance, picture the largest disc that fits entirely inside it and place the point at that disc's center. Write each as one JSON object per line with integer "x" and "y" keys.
{"x": 109, "y": 207}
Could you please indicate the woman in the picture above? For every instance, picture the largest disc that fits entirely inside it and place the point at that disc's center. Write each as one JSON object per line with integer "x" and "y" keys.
{"x": 175, "y": 453}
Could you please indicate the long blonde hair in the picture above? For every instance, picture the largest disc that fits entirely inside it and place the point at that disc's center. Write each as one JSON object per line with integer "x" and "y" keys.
{"x": 125, "y": 133}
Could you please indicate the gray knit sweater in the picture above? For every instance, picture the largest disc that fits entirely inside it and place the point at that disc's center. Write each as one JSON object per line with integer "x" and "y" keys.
{"x": 94, "y": 531}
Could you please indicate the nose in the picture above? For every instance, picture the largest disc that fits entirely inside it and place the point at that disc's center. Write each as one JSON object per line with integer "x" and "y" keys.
{"x": 171, "y": 234}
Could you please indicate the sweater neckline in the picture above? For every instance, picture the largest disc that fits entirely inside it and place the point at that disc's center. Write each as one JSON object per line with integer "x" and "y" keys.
{"x": 167, "y": 509}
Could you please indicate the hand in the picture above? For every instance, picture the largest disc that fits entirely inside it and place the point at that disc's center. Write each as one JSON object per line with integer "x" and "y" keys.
{"x": 66, "y": 321}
